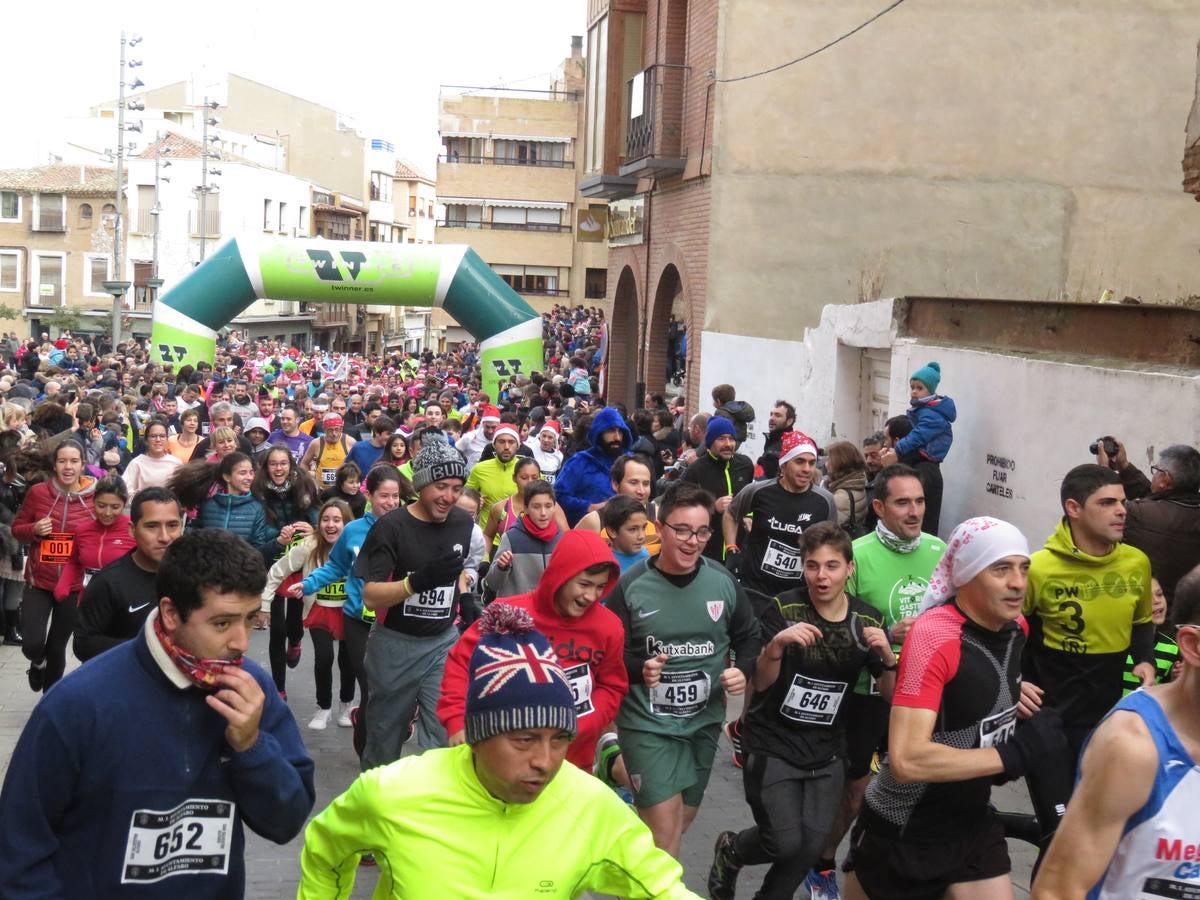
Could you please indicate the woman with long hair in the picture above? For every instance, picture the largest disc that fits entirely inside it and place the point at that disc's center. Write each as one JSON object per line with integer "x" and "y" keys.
{"x": 396, "y": 451}
{"x": 52, "y": 514}
{"x": 97, "y": 543}
{"x": 181, "y": 445}
{"x": 220, "y": 495}
{"x": 322, "y": 612}
{"x": 154, "y": 466}
{"x": 846, "y": 479}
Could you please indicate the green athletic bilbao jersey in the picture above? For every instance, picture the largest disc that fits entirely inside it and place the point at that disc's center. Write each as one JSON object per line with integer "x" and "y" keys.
{"x": 696, "y": 621}
{"x": 894, "y": 583}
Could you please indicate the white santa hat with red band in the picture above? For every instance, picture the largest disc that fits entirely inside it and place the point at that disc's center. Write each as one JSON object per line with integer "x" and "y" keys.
{"x": 550, "y": 425}
{"x": 510, "y": 430}
{"x": 794, "y": 443}
{"x": 489, "y": 414}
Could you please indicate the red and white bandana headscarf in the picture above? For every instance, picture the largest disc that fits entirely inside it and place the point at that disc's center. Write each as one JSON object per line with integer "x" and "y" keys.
{"x": 973, "y": 546}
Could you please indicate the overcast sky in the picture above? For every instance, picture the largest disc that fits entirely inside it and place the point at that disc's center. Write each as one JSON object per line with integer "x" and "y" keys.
{"x": 380, "y": 62}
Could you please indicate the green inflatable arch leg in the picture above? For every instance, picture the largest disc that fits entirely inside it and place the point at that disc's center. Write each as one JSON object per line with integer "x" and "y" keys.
{"x": 453, "y": 277}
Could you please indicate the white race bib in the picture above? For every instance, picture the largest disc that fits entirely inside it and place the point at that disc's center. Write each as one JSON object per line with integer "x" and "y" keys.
{"x": 782, "y": 561}
{"x": 433, "y": 604}
{"x": 680, "y": 694}
{"x": 811, "y": 701}
{"x": 193, "y": 838}
{"x": 580, "y": 679}
{"x": 995, "y": 730}
{"x": 328, "y": 476}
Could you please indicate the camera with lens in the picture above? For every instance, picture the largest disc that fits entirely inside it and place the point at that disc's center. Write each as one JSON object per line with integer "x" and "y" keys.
{"x": 1109, "y": 443}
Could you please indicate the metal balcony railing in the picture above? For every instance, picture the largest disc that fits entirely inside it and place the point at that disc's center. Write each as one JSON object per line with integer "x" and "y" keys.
{"x": 507, "y": 161}
{"x": 212, "y": 223}
{"x": 655, "y": 104}
{"x": 505, "y": 226}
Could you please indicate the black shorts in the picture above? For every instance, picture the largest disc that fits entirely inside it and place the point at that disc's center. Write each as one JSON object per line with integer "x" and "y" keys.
{"x": 866, "y": 732}
{"x": 892, "y": 868}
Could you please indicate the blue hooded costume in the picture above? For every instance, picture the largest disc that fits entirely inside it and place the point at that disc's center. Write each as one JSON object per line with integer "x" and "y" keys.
{"x": 585, "y": 477}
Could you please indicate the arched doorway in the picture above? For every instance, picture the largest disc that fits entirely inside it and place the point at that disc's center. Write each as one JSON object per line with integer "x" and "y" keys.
{"x": 667, "y": 298}
{"x": 622, "y": 342}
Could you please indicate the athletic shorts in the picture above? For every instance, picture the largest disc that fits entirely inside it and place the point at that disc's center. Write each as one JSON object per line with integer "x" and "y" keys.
{"x": 663, "y": 765}
{"x": 866, "y": 732}
{"x": 891, "y": 868}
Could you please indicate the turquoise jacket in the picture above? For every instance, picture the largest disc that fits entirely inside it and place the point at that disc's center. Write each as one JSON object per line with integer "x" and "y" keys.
{"x": 240, "y": 514}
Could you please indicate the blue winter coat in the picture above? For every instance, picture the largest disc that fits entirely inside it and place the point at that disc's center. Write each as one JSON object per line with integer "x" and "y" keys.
{"x": 931, "y": 435}
{"x": 240, "y": 514}
{"x": 585, "y": 477}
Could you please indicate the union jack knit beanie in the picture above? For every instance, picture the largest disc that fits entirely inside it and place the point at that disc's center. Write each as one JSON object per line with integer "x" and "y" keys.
{"x": 515, "y": 681}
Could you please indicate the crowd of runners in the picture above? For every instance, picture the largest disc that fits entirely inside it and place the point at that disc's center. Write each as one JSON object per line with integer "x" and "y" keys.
{"x": 535, "y": 608}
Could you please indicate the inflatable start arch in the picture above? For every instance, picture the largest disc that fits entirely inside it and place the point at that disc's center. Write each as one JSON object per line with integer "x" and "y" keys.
{"x": 453, "y": 277}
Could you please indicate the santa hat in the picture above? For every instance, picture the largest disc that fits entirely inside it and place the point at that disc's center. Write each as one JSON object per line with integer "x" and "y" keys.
{"x": 508, "y": 429}
{"x": 552, "y": 426}
{"x": 489, "y": 415}
{"x": 794, "y": 443}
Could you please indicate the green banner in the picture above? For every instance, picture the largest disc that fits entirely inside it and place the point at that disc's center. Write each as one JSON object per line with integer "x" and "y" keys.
{"x": 364, "y": 274}
{"x": 499, "y": 364}
{"x": 177, "y": 347}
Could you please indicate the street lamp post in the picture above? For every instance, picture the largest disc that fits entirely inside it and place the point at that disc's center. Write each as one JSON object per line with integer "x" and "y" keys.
{"x": 205, "y": 156}
{"x": 118, "y": 266}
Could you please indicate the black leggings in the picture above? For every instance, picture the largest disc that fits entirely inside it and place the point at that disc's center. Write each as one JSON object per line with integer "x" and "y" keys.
{"x": 354, "y": 638}
{"x": 37, "y": 608}
{"x": 287, "y": 627}
{"x": 793, "y": 812}
{"x": 323, "y": 668}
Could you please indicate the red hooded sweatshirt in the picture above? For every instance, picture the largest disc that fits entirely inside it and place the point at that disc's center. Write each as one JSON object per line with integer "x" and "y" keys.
{"x": 589, "y": 647}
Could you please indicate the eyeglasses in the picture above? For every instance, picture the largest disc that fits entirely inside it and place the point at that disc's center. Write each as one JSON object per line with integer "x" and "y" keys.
{"x": 1158, "y": 470}
{"x": 686, "y": 534}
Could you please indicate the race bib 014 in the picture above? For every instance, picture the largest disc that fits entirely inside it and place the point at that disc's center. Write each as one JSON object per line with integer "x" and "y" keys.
{"x": 680, "y": 694}
{"x": 195, "y": 837}
{"x": 811, "y": 701}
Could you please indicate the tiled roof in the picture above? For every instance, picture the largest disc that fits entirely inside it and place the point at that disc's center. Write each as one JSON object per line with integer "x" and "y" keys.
{"x": 180, "y": 147}
{"x": 77, "y": 181}
{"x": 407, "y": 172}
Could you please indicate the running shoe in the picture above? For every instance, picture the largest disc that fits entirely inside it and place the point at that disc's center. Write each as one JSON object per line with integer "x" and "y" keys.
{"x": 36, "y": 674}
{"x": 320, "y": 721}
{"x": 733, "y": 731}
{"x": 283, "y": 696}
{"x": 822, "y": 885}
{"x": 357, "y": 739}
{"x": 345, "y": 710}
{"x": 293, "y": 653}
{"x": 722, "y": 877}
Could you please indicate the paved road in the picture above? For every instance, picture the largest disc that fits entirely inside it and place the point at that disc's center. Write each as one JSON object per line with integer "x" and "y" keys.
{"x": 273, "y": 871}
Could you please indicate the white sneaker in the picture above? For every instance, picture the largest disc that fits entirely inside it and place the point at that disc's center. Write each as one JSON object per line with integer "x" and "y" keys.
{"x": 344, "y": 710}
{"x": 320, "y": 721}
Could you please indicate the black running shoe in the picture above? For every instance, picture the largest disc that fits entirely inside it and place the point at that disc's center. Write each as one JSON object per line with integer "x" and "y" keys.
{"x": 722, "y": 877}
{"x": 36, "y": 673}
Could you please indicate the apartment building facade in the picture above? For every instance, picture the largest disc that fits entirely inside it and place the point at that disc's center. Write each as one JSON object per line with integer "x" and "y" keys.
{"x": 57, "y": 226}
{"x": 748, "y": 189}
{"x": 507, "y": 181}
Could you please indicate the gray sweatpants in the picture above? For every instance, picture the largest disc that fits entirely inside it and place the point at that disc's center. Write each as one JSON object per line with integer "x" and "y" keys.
{"x": 404, "y": 674}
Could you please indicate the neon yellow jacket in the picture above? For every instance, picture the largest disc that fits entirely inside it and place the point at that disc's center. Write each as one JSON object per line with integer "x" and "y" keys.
{"x": 437, "y": 834}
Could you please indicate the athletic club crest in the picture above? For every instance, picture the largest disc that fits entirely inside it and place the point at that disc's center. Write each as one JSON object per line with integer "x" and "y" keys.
{"x": 715, "y": 608}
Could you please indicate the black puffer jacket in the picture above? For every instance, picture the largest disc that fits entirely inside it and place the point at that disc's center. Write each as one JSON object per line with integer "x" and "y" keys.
{"x": 1165, "y": 526}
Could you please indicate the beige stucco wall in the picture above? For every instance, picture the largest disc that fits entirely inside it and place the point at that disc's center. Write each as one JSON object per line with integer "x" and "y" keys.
{"x": 991, "y": 148}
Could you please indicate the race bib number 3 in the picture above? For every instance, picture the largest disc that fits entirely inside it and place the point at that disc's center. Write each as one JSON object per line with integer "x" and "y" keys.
{"x": 680, "y": 694}
{"x": 812, "y": 702}
{"x": 57, "y": 547}
{"x": 580, "y": 679}
{"x": 434, "y": 604}
{"x": 194, "y": 837}
{"x": 995, "y": 730}
{"x": 781, "y": 560}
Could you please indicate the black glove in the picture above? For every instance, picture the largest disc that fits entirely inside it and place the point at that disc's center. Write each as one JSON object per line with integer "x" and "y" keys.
{"x": 468, "y": 609}
{"x": 1033, "y": 740}
{"x": 733, "y": 561}
{"x": 440, "y": 572}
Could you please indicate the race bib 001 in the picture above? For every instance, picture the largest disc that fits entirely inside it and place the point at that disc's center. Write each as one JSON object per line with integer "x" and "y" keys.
{"x": 57, "y": 547}
{"x": 811, "y": 701}
{"x": 580, "y": 679}
{"x": 781, "y": 560}
{"x": 193, "y": 838}
{"x": 995, "y": 730}
{"x": 433, "y": 604}
{"x": 680, "y": 694}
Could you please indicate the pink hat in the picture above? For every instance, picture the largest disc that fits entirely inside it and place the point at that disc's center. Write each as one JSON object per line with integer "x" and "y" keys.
{"x": 794, "y": 443}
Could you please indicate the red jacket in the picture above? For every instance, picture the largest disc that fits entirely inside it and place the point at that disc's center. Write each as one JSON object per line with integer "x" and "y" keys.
{"x": 589, "y": 647}
{"x": 95, "y": 547}
{"x": 70, "y": 513}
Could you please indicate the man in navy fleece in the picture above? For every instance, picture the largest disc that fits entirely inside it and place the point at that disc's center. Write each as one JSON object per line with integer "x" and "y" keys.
{"x": 584, "y": 482}
{"x": 136, "y": 772}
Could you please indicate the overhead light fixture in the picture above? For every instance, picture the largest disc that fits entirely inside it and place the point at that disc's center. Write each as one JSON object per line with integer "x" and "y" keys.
{"x": 213, "y": 104}
{"x": 165, "y": 164}
{"x": 214, "y": 171}
{"x": 137, "y": 83}
{"x": 213, "y": 120}
{"x": 136, "y": 126}
{"x": 135, "y": 40}
{"x": 135, "y": 105}
{"x": 134, "y": 63}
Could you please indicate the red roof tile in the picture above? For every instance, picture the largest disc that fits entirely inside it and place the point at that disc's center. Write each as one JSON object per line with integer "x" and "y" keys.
{"x": 77, "y": 181}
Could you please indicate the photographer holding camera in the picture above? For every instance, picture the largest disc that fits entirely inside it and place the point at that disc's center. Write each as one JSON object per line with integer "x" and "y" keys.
{"x": 1163, "y": 511}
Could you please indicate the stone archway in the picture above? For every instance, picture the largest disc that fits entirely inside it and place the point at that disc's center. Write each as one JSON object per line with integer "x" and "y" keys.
{"x": 621, "y": 372}
{"x": 667, "y": 296}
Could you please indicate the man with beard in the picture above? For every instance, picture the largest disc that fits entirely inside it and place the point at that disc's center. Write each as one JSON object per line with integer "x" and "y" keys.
{"x": 91, "y": 806}
{"x": 243, "y": 405}
{"x": 781, "y": 420}
{"x": 584, "y": 482}
{"x": 411, "y": 563}
{"x": 493, "y": 478}
{"x": 289, "y": 433}
{"x": 893, "y": 565}
{"x": 723, "y": 472}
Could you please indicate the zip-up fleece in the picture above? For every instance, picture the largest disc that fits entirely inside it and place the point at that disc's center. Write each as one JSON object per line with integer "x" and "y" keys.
{"x": 436, "y": 832}
{"x": 530, "y": 556}
{"x": 589, "y": 647}
{"x": 96, "y": 546}
{"x": 242, "y": 514}
{"x": 69, "y": 512}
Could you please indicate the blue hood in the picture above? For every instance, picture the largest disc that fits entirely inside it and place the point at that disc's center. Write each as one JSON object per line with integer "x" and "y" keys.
{"x": 608, "y": 418}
